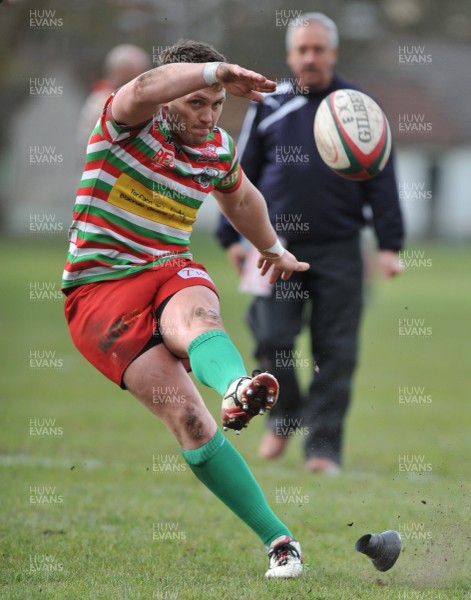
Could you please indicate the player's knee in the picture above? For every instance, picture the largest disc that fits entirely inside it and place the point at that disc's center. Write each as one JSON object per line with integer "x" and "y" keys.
{"x": 205, "y": 317}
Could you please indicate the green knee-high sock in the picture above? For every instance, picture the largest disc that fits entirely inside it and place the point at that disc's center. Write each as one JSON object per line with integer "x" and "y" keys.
{"x": 223, "y": 471}
{"x": 215, "y": 361}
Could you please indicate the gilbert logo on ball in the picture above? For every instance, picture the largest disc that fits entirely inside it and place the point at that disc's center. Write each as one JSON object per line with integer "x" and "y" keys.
{"x": 352, "y": 134}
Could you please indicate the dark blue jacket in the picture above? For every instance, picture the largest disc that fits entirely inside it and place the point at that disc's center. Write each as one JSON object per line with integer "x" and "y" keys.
{"x": 307, "y": 201}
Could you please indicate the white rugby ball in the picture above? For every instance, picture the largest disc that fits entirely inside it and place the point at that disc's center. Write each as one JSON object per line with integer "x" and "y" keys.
{"x": 352, "y": 134}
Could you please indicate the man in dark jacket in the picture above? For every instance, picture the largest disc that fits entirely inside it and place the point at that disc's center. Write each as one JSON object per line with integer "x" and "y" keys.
{"x": 320, "y": 216}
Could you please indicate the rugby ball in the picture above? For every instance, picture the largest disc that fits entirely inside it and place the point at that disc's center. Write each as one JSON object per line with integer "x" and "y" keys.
{"x": 352, "y": 134}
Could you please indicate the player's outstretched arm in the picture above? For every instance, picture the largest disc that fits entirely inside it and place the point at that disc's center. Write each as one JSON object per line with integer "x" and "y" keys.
{"x": 246, "y": 209}
{"x": 243, "y": 82}
{"x": 137, "y": 101}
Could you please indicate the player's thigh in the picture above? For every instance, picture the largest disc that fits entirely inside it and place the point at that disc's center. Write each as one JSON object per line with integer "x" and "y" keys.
{"x": 189, "y": 312}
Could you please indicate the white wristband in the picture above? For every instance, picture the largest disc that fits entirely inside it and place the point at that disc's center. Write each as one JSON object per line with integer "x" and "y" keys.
{"x": 209, "y": 73}
{"x": 274, "y": 252}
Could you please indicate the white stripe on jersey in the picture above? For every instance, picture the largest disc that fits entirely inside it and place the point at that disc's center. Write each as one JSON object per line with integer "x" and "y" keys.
{"x": 99, "y": 174}
{"x": 97, "y": 146}
{"x": 132, "y": 218}
{"x": 73, "y": 275}
{"x": 82, "y": 252}
{"x": 114, "y": 134}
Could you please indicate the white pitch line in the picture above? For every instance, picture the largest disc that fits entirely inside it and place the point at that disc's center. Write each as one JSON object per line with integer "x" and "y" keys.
{"x": 9, "y": 460}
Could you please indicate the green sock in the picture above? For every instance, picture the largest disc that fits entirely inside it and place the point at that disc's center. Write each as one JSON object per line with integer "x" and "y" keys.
{"x": 215, "y": 361}
{"x": 224, "y": 471}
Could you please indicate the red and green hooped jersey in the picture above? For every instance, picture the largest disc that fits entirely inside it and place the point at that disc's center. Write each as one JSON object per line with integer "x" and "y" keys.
{"x": 139, "y": 195}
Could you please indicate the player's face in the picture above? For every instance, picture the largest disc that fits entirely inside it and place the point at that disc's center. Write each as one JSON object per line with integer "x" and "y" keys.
{"x": 194, "y": 116}
{"x": 311, "y": 58}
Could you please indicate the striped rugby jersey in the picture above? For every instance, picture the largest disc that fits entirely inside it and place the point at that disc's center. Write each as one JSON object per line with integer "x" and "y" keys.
{"x": 139, "y": 195}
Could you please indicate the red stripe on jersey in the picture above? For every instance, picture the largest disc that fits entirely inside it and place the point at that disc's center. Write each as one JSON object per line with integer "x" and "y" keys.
{"x": 96, "y": 137}
{"x": 110, "y": 168}
{"x": 126, "y": 232}
{"x": 101, "y": 165}
{"x": 92, "y": 191}
{"x": 137, "y": 154}
{"x": 91, "y": 165}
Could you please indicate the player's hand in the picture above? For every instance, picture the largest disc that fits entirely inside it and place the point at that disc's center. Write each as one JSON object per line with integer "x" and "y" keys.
{"x": 283, "y": 266}
{"x": 389, "y": 264}
{"x": 244, "y": 83}
{"x": 237, "y": 253}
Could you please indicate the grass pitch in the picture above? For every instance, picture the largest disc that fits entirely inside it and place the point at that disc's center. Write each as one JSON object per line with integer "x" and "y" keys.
{"x": 97, "y": 503}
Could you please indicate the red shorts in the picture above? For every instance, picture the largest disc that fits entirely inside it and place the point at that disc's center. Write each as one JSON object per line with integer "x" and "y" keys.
{"x": 113, "y": 322}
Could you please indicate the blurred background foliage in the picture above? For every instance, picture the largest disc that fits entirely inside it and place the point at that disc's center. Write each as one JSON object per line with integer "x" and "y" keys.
{"x": 252, "y": 34}
{"x": 249, "y": 33}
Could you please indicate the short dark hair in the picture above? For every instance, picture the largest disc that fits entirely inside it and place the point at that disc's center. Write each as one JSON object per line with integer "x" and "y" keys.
{"x": 191, "y": 52}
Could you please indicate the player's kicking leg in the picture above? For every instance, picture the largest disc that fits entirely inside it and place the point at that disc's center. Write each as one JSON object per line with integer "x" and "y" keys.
{"x": 210, "y": 455}
{"x": 191, "y": 326}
